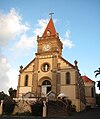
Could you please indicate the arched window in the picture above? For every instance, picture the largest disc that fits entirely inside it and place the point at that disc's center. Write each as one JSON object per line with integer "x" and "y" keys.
{"x": 67, "y": 78}
{"x": 46, "y": 82}
{"x": 26, "y": 80}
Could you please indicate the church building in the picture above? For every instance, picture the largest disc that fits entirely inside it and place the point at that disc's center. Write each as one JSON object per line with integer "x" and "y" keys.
{"x": 50, "y": 72}
{"x": 90, "y": 94}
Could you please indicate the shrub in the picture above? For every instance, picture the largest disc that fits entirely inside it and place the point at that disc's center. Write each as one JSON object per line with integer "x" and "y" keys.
{"x": 8, "y": 105}
{"x": 37, "y": 108}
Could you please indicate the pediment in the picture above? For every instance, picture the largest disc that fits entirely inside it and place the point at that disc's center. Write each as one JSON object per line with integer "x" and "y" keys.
{"x": 28, "y": 95}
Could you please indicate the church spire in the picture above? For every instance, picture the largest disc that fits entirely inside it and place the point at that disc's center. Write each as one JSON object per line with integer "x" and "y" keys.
{"x": 50, "y": 29}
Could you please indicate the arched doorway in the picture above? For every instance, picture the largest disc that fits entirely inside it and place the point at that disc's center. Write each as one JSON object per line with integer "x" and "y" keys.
{"x": 46, "y": 87}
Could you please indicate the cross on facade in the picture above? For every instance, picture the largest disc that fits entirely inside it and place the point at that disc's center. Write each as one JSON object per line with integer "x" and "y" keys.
{"x": 51, "y": 13}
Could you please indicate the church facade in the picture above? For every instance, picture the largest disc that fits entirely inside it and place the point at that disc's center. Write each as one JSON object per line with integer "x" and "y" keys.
{"x": 49, "y": 71}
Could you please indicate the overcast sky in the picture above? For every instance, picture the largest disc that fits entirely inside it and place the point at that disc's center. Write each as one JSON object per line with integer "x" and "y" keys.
{"x": 76, "y": 21}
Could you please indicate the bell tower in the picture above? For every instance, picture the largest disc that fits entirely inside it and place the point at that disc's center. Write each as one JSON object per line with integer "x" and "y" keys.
{"x": 49, "y": 42}
{"x": 49, "y": 48}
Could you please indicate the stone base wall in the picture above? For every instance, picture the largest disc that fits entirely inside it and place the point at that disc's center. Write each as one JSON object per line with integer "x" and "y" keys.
{"x": 23, "y": 105}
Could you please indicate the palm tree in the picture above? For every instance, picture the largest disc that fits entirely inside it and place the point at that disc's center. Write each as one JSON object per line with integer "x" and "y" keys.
{"x": 97, "y": 72}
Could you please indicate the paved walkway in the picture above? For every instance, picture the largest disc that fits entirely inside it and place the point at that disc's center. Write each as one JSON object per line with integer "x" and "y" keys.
{"x": 89, "y": 114}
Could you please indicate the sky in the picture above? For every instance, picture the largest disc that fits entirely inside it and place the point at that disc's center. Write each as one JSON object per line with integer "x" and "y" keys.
{"x": 76, "y": 21}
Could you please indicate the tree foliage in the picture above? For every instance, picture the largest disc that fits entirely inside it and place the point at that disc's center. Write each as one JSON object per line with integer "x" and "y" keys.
{"x": 8, "y": 105}
{"x": 12, "y": 92}
{"x": 97, "y": 72}
{"x": 3, "y": 95}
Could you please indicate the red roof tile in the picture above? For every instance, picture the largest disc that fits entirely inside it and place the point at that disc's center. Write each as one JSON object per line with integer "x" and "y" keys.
{"x": 86, "y": 79}
{"x": 50, "y": 27}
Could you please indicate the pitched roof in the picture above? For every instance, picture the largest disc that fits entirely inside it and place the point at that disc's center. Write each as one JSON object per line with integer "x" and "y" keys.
{"x": 28, "y": 64}
{"x": 67, "y": 62}
{"x": 86, "y": 79}
{"x": 50, "y": 27}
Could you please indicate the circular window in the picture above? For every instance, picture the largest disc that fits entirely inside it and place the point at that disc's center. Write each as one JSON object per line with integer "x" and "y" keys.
{"x": 45, "y": 67}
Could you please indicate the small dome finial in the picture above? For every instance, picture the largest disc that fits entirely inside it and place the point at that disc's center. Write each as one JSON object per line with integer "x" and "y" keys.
{"x": 21, "y": 68}
{"x": 75, "y": 62}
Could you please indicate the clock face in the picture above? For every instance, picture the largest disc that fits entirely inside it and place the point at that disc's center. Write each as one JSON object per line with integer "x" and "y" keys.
{"x": 46, "y": 47}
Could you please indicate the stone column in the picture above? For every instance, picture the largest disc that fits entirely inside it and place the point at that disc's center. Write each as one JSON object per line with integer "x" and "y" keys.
{"x": 1, "y": 111}
{"x": 44, "y": 109}
{"x": 58, "y": 83}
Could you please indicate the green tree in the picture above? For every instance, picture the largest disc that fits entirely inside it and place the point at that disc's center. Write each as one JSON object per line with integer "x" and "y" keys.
{"x": 3, "y": 95}
{"x": 8, "y": 105}
{"x": 12, "y": 92}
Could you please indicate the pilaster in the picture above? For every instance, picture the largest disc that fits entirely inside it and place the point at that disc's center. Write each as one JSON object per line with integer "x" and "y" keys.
{"x": 35, "y": 76}
{"x": 54, "y": 74}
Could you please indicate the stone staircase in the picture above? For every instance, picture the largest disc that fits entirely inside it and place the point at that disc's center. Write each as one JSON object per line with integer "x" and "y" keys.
{"x": 56, "y": 109}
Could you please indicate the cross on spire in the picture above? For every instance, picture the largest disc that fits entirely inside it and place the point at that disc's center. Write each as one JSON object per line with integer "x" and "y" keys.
{"x": 51, "y": 13}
